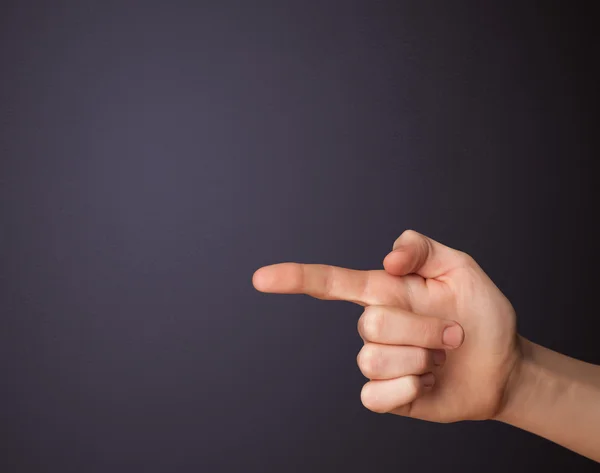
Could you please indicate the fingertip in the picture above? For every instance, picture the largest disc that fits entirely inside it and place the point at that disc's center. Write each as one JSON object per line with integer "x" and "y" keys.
{"x": 438, "y": 357}
{"x": 260, "y": 279}
{"x": 427, "y": 380}
{"x": 393, "y": 263}
{"x": 453, "y": 336}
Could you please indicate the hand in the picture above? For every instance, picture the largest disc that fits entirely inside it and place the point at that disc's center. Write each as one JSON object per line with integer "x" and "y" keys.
{"x": 426, "y": 291}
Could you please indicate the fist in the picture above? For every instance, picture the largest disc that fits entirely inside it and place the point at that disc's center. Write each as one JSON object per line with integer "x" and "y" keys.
{"x": 402, "y": 355}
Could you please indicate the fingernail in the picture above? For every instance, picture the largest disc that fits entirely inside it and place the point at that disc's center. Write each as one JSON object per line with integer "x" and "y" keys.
{"x": 453, "y": 336}
{"x": 428, "y": 380}
{"x": 439, "y": 357}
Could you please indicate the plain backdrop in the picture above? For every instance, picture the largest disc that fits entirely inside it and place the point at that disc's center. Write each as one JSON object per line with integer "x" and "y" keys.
{"x": 153, "y": 155}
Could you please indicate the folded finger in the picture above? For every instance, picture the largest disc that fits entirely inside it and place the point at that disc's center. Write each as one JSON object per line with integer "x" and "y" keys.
{"x": 387, "y": 395}
{"x": 377, "y": 361}
{"x": 396, "y": 326}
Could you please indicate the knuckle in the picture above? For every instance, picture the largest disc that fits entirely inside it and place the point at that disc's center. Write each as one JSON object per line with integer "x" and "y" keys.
{"x": 360, "y": 325}
{"x": 371, "y": 323}
{"x": 369, "y": 360}
{"x": 406, "y": 235}
{"x": 410, "y": 233}
{"x": 466, "y": 259}
{"x": 369, "y": 398}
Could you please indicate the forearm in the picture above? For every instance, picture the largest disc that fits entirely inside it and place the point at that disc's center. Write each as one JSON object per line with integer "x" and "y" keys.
{"x": 556, "y": 397}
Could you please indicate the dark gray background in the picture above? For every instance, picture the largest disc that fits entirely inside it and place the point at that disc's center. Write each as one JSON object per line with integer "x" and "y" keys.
{"x": 154, "y": 155}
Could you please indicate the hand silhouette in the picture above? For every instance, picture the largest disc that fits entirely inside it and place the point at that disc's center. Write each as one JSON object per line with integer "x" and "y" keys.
{"x": 440, "y": 337}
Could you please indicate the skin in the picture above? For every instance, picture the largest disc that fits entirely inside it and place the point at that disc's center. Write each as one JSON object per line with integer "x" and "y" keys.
{"x": 440, "y": 344}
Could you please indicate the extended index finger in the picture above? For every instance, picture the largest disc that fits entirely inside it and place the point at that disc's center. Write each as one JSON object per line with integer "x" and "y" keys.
{"x": 372, "y": 287}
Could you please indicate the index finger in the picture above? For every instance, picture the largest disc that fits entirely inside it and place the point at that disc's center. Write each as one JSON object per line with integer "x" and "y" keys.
{"x": 372, "y": 287}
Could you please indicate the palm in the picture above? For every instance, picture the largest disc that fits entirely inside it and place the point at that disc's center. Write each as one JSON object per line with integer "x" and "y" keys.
{"x": 444, "y": 283}
{"x": 471, "y": 384}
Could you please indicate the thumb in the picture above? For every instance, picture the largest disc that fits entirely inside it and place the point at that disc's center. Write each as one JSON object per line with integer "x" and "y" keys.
{"x": 415, "y": 253}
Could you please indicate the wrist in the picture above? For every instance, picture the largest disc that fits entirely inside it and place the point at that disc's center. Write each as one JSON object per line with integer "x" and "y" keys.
{"x": 523, "y": 380}
{"x": 554, "y": 396}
